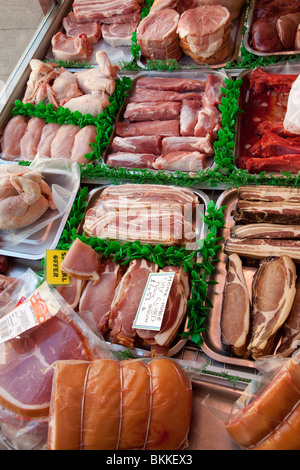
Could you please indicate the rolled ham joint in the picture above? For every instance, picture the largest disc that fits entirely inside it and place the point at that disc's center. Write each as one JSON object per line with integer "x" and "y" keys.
{"x": 271, "y": 420}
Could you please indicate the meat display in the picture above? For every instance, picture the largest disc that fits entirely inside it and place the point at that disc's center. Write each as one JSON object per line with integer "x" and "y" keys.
{"x": 187, "y": 125}
{"x": 24, "y": 197}
{"x": 157, "y": 35}
{"x": 265, "y": 144}
{"x": 274, "y": 26}
{"x": 204, "y": 33}
{"x": 270, "y": 421}
{"x": 235, "y": 317}
{"x": 145, "y": 406}
{"x": 147, "y": 212}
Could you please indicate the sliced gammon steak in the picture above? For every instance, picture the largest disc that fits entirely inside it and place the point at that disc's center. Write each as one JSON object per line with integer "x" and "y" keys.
{"x": 74, "y": 48}
{"x": 73, "y": 28}
{"x": 26, "y": 361}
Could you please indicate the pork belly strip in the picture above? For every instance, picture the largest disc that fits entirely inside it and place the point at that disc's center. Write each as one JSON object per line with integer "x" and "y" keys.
{"x": 160, "y": 128}
{"x": 280, "y": 163}
{"x": 131, "y": 160}
{"x": 142, "y": 95}
{"x": 282, "y": 212}
{"x": 273, "y": 293}
{"x": 188, "y": 143}
{"x": 152, "y": 227}
{"x": 127, "y": 299}
{"x": 265, "y": 231}
{"x": 139, "y": 144}
{"x": 263, "y": 248}
{"x": 171, "y": 84}
{"x": 181, "y": 161}
{"x": 269, "y": 193}
{"x": 235, "y": 315}
{"x": 160, "y": 110}
{"x": 99, "y": 10}
{"x": 151, "y": 196}
{"x": 291, "y": 329}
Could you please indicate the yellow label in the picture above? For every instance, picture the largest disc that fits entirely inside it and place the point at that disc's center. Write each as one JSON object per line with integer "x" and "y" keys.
{"x": 54, "y": 274}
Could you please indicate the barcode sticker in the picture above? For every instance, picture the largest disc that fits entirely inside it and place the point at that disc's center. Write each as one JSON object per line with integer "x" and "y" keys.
{"x": 28, "y": 314}
{"x": 153, "y": 304}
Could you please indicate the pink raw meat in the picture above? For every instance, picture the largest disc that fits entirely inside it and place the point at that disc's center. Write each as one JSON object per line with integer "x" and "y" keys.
{"x": 171, "y": 84}
{"x": 12, "y": 135}
{"x": 177, "y": 144}
{"x": 160, "y": 110}
{"x": 209, "y": 122}
{"x": 131, "y": 160}
{"x": 140, "y": 144}
{"x": 160, "y": 128}
{"x": 117, "y": 35}
{"x": 189, "y": 116}
{"x": 181, "y": 161}
{"x": 73, "y": 28}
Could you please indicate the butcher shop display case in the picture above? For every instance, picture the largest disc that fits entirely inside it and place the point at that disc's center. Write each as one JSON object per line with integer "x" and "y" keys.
{"x": 150, "y": 228}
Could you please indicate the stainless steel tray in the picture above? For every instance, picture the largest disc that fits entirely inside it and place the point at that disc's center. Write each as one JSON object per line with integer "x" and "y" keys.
{"x": 212, "y": 335}
{"x": 201, "y": 74}
{"x": 235, "y": 43}
{"x": 178, "y": 344}
{"x": 281, "y": 69}
{"x": 247, "y": 37}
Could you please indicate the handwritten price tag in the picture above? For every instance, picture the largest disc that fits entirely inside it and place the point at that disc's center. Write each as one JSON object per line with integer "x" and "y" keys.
{"x": 153, "y": 304}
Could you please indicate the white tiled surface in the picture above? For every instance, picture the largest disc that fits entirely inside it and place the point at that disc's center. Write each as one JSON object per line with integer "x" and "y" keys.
{"x": 19, "y": 20}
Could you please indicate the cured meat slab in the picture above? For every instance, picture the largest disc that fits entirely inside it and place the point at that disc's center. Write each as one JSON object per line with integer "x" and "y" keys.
{"x": 263, "y": 248}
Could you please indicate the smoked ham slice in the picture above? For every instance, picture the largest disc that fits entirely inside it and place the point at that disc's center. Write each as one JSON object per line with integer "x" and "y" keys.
{"x": 273, "y": 293}
{"x": 82, "y": 262}
{"x": 127, "y": 300}
{"x": 271, "y": 419}
{"x": 291, "y": 328}
{"x": 235, "y": 316}
{"x": 110, "y": 405}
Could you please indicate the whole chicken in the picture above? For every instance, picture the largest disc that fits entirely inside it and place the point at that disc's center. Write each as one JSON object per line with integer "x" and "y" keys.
{"x": 24, "y": 196}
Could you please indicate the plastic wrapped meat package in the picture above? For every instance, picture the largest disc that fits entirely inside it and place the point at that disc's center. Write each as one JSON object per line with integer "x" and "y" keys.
{"x": 29, "y": 348}
{"x": 54, "y": 375}
{"x": 60, "y": 177}
{"x": 267, "y": 414}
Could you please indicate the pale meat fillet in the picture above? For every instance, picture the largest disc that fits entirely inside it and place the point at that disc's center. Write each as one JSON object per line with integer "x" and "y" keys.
{"x": 127, "y": 300}
{"x": 93, "y": 104}
{"x": 82, "y": 262}
{"x": 81, "y": 147}
{"x": 157, "y": 37}
{"x": 95, "y": 301}
{"x": 72, "y": 27}
{"x": 181, "y": 161}
{"x": 152, "y": 196}
{"x": 97, "y": 10}
{"x": 160, "y": 110}
{"x": 174, "y": 313}
{"x": 142, "y": 95}
{"x": 48, "y": 134}
{"x": 209, "y": 122}
{"x": 203, "y": 20}
{"x": 12, "y": 135}
{"x": 189, "y": 116}
{"x": 63, "y": 142}
{"x": 76, "y": 48}
{"x": 212, "y": 95}
{"x": 273, "y": 293}
{"x": 65, "y": 87}
{"x": 148, "y": 144}
{"x": 131, "y": 160}
{"x": 291, "y": 328}
{"x": 148, "y": 226}
{"x": 117, "y": 35}
{"x": 160, "y": 128}
{"x": 171, "y": 84}
{"x": 71, "y": 292}
{"x": 30, "y": 141}
{"x": 235, "y": 316}
{"x": 92, "y": 80}
{"x": 179, "y": 144}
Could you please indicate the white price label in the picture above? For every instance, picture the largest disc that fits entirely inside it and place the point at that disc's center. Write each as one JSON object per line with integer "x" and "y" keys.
{"x": 153, "y": 304}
